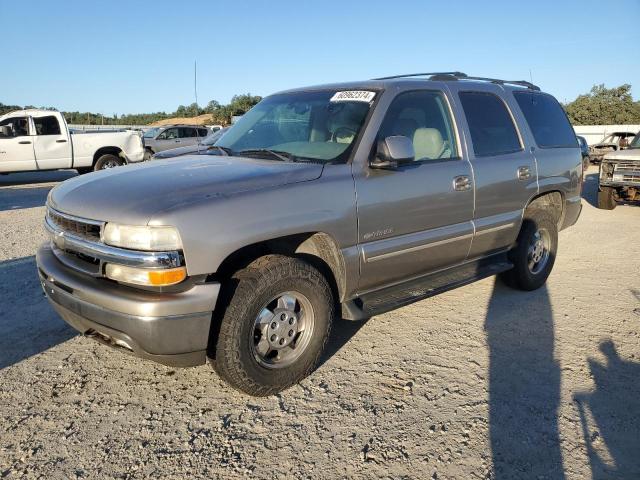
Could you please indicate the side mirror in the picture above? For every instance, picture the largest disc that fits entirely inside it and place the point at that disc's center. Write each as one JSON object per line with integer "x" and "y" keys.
{"x": 393, "y": 151}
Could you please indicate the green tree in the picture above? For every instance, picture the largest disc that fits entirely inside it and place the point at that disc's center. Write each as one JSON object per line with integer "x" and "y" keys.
{"x": 604, "y": 106}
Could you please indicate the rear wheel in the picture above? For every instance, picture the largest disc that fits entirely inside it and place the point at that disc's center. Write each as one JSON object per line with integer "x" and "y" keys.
{"x": 275, "y": 326}
{"x": 534, "y": 253}
{"x": 606, "y": 198}
{"x": 108, "y": 161}
{"x": 148, "y": 153}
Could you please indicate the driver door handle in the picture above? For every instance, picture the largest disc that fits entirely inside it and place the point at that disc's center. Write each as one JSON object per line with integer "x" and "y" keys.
{"x": 25, "y": 142}
{"x": 61, "y": 141}
{"x": 461, "y": 183}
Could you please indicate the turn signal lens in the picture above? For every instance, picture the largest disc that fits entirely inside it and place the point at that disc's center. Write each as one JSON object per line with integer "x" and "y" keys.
{"x": 141, "y": 276}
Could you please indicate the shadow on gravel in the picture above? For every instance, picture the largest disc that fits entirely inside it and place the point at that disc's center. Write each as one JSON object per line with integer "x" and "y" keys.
{"x": 610, "y": 415}
{"x": 341, "y": 332}
{"x": 28, "y": 325}
{"x": 32, "y": 194}
{"x": 18, "y": 198}
{"x": 524, "y": 385}
{"x": 590, "y": 188}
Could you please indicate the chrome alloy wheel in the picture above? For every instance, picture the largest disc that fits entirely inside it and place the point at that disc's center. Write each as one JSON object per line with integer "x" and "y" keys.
{"x": 282, "y": 330}
{"x": 538, "y": 251}
{"x": 110, "y": 164}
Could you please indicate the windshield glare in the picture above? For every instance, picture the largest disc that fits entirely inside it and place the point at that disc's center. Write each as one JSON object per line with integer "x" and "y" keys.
{"x": 151, "y": 133}
{"x": 214, "y": 137}
{"x": 305, "y": 125}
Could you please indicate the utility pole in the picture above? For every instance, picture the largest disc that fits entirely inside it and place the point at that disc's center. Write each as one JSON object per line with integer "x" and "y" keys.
{"x": 195, "y": 82}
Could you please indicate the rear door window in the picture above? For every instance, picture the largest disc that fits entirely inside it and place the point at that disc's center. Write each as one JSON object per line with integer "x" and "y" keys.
{"x": 490, "y": 124}
{"x": 546, "y": 119}
{"x": 48, "y": 125}
{"x": 203, "y": 132}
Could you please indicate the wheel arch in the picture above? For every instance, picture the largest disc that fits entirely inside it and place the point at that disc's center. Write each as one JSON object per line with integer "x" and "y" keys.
{"x": 318, "y": 248}
{"x": 552, "y": 200}
{"x": 117, "y": 151}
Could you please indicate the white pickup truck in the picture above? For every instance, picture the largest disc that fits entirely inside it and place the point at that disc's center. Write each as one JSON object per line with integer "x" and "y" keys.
{"x": 40, "y": 140}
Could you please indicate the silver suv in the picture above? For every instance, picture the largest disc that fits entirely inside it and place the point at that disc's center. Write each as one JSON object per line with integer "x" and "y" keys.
{"x": 173, "y": 136}
{"x": 337, "y": 200}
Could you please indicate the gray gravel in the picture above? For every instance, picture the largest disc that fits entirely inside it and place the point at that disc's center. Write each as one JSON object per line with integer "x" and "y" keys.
{"x": 481, "y": 382}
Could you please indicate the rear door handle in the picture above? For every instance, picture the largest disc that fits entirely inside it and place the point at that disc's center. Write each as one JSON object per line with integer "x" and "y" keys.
{"x": 25, "y": 142}
{"x": 461, "y": 183}
{"x": 61, "y": 141}
{"x": 524, "y": 173}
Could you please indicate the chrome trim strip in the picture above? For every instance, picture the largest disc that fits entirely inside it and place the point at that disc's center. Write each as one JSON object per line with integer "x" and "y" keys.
{"x": 382, "y": 256}
{"x": 96, "y": 223}
{"x": 496, "y": 229}
{"x": 109, "y": 254}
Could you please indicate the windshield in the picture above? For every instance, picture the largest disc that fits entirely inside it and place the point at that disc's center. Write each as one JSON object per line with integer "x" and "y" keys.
{"x": 313, "y": 126}
{"x": 151, "y": 133}
{"x": 636, "y": 141}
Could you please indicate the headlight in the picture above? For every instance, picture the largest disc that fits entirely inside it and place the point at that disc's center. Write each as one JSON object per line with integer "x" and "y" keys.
{"x": 141, "y": 238}
{"x": 142, "y": 276}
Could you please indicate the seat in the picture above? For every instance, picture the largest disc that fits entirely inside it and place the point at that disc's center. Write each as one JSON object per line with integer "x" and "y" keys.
{"x": 428, "y": 143}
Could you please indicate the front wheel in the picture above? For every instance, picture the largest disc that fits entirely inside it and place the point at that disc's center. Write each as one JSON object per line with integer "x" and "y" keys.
{"x": 606, "y": 198}
{"x": 534, "y": 254}
{"x": 275, "y": 326}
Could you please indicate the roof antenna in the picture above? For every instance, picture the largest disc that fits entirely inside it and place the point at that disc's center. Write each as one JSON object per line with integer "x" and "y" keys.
{"x": 530, "y": 76}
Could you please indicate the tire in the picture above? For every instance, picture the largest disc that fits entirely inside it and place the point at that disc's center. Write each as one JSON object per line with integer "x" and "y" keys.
{"x": 265, "y": 281}
{"x": 148, "y": 153}
{"x": 538, "y": 225}
{"x": 606, "y": 198}
{"x": 107, "y": 161}
{"x": 83, "y": 170}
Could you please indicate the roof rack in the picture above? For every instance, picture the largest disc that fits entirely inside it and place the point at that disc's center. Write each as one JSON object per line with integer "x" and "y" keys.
{"x": 449, "y": 76}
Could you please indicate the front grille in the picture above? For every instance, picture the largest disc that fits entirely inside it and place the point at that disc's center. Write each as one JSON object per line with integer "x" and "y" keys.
{"x": 90, "y": 231}
{"x": 627, "y": 172}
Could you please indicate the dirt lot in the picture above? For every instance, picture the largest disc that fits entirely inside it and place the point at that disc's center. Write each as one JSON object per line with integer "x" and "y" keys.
{"x": 481, "y": 382}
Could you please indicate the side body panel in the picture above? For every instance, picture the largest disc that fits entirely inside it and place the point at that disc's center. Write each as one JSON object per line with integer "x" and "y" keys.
{"x": 501, "y": 195}
{"x": 411, "y": 220}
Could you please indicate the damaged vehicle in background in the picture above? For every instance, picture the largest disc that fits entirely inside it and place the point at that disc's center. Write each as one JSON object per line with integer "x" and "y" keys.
{"x": 206, "y": 147}
{"x": 619, "y": 178}
{"x": 611, "y": 143}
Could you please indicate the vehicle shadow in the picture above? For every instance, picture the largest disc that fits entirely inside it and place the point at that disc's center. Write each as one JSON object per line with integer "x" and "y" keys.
{"x": 610, "y": 416}
{"x": 590, "y": 188}
{"x": 28, "y": 325}
{"x": 35, "y": 191}
{"x": 341, "y": 332}
{"x": 524, "y": 385}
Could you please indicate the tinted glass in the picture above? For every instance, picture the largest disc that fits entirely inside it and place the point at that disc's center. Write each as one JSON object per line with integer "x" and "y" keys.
{"x": 546, "y": 119}
{"x": 47, "y": 125}
{"x": 423, "y": 117}
{"x": 491, "y": 127}
{"x": 203, "y": 132}
{"x": 19, "y": 125}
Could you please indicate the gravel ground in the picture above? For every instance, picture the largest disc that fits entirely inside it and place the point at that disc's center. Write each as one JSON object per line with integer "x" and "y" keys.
{"x": 480, "y": 382}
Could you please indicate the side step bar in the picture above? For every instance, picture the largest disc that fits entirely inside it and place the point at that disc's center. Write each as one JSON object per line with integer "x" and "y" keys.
{"x": 396, "y": 296}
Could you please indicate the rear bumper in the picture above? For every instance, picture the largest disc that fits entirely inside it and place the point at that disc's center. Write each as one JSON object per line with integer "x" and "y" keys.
{"x": 169, "y": 328}
{"x": 136, "y": 156}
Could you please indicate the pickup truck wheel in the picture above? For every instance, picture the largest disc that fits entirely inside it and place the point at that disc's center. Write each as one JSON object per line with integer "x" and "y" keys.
{"x": 275, "y": 326}
{"x": 534, "y": 253}
{"x": 606, "y": 198}
{"x": 107, "y": 161}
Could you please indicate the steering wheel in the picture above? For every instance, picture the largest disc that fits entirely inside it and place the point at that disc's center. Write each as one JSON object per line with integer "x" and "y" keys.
{"x": 342, "y": 132}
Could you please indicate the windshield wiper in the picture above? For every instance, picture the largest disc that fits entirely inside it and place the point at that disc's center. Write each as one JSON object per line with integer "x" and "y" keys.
{"x": 280, "y": 155}
{"x": 226, "y": 150}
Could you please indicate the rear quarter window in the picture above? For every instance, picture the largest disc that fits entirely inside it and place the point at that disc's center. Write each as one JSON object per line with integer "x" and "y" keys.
{"x": 546, "y": 119}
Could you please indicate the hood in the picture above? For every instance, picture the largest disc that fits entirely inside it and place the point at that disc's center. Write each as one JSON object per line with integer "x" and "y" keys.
{"x": 188, "y": 150}
{"x": 133, "y": 193}
{"x": 629, "y": 154}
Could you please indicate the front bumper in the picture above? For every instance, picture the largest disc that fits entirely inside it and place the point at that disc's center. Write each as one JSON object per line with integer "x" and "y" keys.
{"x": 169, "y": 328}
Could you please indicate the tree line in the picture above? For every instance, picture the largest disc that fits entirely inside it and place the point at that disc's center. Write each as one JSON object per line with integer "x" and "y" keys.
{"x": 220, "y": 114}
{"x": 601, "y": 106}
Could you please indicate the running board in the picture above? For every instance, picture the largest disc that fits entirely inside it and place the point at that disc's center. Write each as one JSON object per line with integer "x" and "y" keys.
{"x": 396, "y": 296}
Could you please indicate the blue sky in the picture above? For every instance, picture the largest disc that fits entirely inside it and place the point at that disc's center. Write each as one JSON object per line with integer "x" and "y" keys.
{"x": 127, "y": 57}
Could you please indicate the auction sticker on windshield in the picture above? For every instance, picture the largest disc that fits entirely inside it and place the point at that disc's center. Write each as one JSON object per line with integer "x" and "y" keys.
{"x": 353, "y": 96}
